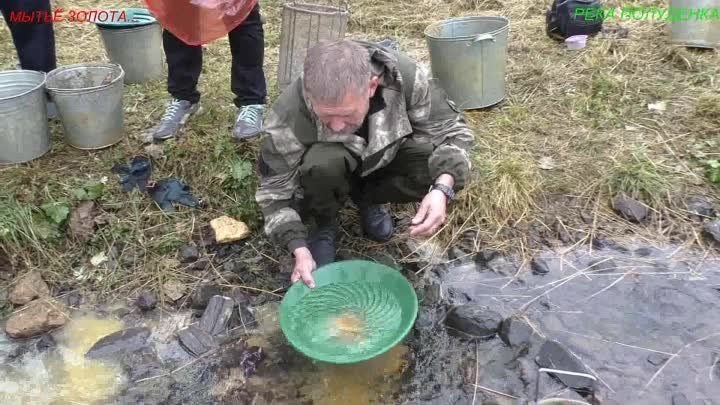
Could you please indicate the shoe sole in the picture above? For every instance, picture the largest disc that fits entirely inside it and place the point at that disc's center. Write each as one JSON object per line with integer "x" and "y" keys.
{"x": 183, "y": 120}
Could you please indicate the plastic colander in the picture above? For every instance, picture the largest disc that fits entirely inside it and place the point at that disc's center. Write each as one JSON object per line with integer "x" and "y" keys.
{"x": 357, "y": 310}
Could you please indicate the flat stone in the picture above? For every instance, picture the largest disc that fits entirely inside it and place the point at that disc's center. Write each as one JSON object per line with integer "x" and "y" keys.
{"x": 699, "y": 205}
{"x": 630, "y": 209}
{"x": 515, "y": 332}
{"x": 712, "y": 229}
{"x": 196, "y": 340}
{"x": 36, "y": 318}
{"x": 240, "y": 297}
{"x": 474, "y": 321}
{"x": 217, "y": 314}
{"x": 120, "y": 343}
{"x": 484, "y": 256}
{"x": 202, "y": 295}
{"x": 544, "y": 262}
{"x": 554, "y": 355}
{"x": 146, "y": 301}
{"x": 189, "y": 254}
{"x": 29, "y": 287}
{"x": 229, "y": 230}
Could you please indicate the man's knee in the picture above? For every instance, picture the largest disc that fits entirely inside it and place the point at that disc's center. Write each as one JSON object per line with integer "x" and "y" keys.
{"x": 414, "y": 157}
{"x": 327, "y": 163}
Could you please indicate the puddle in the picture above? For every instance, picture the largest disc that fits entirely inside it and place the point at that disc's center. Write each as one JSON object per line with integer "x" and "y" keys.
{"x": 63, "y": 376}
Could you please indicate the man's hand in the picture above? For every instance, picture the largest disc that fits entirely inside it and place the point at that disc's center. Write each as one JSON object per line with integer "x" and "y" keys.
{"x": 304, "y": 266}
{"x": 431, "y": 214}
{"x": 433, "y": 209}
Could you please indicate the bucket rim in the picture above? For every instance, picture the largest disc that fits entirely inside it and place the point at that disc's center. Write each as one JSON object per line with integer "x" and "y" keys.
{"x": 56, "y": 71}
{"x": 24, "y": 71}
{"x": 429, "y": 35}
{"x": 132, "y": 28}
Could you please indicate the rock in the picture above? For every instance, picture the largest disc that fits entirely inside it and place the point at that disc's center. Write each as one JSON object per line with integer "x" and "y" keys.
{"x": 73, "y": 300}
{"x": 239, "y": 296}
{"x": 657, "y": 359}
{"x": 229, "y": 230}
{"x": 544, "y": 262}
{"x": 201, "y": 264}
{"x": 712, "y": 229}
{"x": 36, "y": 318}
{"x": 680, "y": 399}
{"x": 485, "y": 256}
{"x": 174, "y": 289}
{"x": 47, "y": 341}
{"x": 554, "y": 355}
{"x": 433, "y": 294}
{"x": 202, "y": 295}
{"x": 119, "y": 343}
{"x": 250, "y": 359}
{"x": 215, "y": 318}
{"x": 515, "y": 333}
{"x": 29, "y": 287}
{"x": 700, "y": 206}
{"x": 146, "y": 301}
{"x": 647, "y": 251}
{"x": 474, "y": 321}
{"x": 587, "y": 217}
{"x": 189, "y": 254}
{"x": 629, "y": 208}
{"x": 196, "y": 340}
{"x": 82, "y": 221}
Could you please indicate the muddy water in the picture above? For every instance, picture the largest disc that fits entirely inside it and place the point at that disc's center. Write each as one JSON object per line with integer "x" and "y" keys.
{"x": 644, "y": 319}
{"x": 63, "y": 376}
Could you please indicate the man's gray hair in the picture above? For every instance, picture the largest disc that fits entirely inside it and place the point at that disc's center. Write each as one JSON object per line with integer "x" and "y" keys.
{"x": 334, "y": 68}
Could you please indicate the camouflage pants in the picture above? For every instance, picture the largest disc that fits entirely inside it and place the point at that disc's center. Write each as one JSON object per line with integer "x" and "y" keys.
{"x": 329, "y": 176}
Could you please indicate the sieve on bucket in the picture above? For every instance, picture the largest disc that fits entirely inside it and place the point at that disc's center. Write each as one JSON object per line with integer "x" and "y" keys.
{"x": 303, "y": 26}
{"x": 564, "y": 401}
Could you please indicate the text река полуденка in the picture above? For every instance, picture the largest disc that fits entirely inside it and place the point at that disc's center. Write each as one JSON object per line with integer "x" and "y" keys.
{"x": 61, "y": 15}
{"x": 648, "y": 13}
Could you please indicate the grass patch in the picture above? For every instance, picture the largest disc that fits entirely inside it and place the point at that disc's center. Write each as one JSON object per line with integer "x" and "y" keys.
{"x": 641, "y": 178}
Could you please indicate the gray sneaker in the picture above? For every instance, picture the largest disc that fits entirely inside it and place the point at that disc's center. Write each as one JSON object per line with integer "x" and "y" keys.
{"x": 249, "y": 122}
{"x": 176, "y": 114}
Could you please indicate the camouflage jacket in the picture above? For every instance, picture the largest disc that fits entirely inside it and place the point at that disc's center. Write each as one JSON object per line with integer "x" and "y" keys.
{"x": 414, "y": 105}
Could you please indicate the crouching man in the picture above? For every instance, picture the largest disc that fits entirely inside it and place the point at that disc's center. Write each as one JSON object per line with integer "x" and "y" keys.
{"x": 362, "y": 122}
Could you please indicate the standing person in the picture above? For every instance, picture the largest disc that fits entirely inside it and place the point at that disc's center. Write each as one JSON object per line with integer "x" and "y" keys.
{"x": 35, "y": 40}
{"x": 247, "y": 45}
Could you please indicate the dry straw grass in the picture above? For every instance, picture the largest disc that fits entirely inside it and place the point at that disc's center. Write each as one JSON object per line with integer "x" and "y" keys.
{"x": 574, "y": 129}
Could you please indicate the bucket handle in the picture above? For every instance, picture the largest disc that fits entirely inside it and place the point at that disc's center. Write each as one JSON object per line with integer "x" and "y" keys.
{"x": 554, "y": 371}
{"x": 481, "y": 37}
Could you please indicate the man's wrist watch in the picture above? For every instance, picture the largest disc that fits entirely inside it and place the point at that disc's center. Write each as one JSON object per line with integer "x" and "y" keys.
{"x": 448, "y": 191}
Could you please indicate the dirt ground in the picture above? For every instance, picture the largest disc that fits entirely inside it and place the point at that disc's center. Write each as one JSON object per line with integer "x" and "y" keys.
{"x": 631, "y": 114}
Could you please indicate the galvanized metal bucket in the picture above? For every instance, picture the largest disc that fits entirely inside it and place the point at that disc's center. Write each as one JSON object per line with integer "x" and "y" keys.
{"x": 89, "y": 99}
{"x": 24, "y": 130}
{"x": 303, "y": 26}
{"x": 468, "y": 57}
{"x": 694, "y": 30}
{"x": 138, "y": 50}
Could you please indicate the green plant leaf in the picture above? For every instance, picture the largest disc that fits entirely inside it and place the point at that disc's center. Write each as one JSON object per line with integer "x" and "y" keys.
{"x": 43, "y": 228}
{"x": 713, "y": 163}
{"x": 90, "y": 191}
{"x": 241, "y": 170}
{"x": 57, "y": 212}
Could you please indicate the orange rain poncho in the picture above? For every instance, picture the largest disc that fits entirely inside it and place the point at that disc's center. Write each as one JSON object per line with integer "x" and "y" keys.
{"x": 198, "y": 22}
